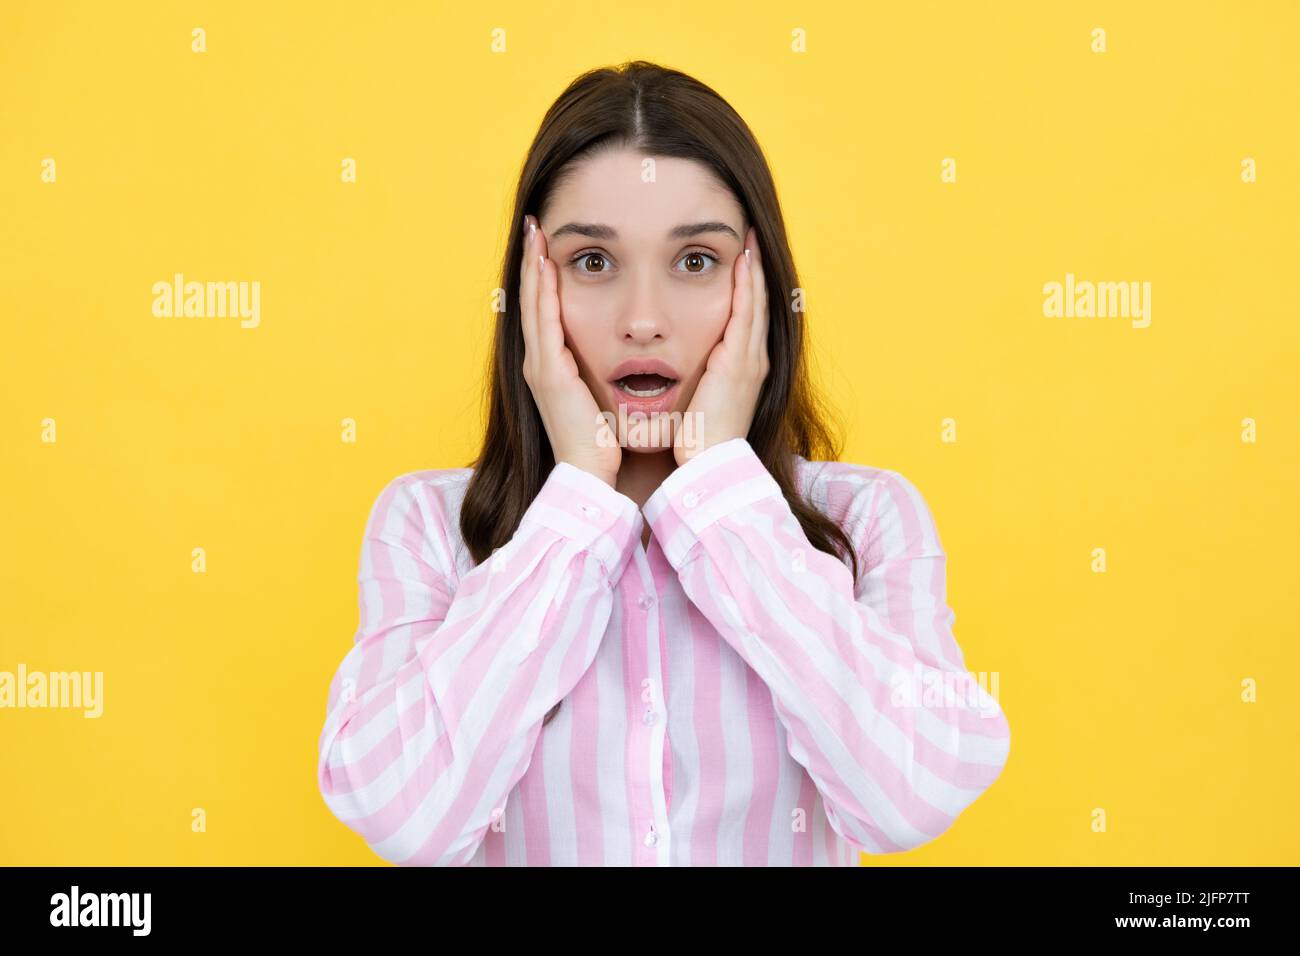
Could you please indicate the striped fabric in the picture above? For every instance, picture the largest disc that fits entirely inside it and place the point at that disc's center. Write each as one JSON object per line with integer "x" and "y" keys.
{"x": 729, "y": 697}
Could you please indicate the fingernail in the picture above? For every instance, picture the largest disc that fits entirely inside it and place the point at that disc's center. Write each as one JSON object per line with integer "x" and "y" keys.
{"x": 747, "y": 260}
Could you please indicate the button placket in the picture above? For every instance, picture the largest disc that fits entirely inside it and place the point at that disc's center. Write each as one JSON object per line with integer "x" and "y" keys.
{"x": 650, "y": 715}
{"x": 650, "y": 798}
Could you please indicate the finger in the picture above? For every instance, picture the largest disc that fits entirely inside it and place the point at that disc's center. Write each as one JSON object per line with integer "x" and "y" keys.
{"x": 539, "y": 239}
{"x": 742, "y": 307}
{"x": 528, "y": 274}
{"x": 550, "y": 333}
{"x": 758, "y": 330}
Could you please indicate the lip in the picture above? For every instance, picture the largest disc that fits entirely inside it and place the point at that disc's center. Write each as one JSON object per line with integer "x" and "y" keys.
{"x": 649, "y": 366}
{"x": 646, "y": 405}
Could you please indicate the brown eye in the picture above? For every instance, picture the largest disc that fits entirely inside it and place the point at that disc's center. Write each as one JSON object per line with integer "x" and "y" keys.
{"x": 597, "y": 257}
{"x": 699, "y": 263}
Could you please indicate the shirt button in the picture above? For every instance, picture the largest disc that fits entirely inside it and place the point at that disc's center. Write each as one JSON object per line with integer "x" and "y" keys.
{"x": 690, "y": 499}
{"x": 591, "y": 511}
{"x": 649, "y": 717}
{"x": 651, "y": 838}
{"x": 644, "y": 602}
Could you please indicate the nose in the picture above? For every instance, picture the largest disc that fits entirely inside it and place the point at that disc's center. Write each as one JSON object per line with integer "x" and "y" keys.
{"x": 644, "y": 318}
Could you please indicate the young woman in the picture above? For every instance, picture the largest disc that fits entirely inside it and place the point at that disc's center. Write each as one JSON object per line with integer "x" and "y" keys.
{"x": 607, "y": 643}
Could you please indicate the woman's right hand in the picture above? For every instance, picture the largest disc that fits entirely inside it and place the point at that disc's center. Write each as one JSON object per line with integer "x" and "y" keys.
{"x": 578, "y": 432}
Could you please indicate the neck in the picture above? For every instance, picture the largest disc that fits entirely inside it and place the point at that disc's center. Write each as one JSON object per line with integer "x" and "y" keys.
{"x": 640, "y": 474}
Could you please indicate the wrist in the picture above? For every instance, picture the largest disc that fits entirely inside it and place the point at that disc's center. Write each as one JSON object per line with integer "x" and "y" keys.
{"x": 601, "y": 473}
{"x": 684, "y": 452}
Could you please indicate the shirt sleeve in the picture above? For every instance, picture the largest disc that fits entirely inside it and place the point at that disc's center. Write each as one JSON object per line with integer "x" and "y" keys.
{"x": 867, "y": 680}
{"x": 434, "y": 713}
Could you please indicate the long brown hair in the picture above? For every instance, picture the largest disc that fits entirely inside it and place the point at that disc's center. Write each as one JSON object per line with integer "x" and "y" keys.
{"x": 658, "y": 112}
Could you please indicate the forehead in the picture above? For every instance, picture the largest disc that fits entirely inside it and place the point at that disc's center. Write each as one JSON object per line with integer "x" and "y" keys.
{"x": 641, "y": 196}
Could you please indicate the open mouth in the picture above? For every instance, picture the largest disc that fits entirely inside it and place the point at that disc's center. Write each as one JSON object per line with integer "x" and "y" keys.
{"x": 645, "y": 384}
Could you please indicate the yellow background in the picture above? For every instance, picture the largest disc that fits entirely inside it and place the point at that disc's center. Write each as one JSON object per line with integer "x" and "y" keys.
{"x": 1123, "y": 689}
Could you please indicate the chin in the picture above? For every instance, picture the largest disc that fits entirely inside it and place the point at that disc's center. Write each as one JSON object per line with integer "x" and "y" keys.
{"x": 641, "y": 433}
{"x": 647, "y": 450}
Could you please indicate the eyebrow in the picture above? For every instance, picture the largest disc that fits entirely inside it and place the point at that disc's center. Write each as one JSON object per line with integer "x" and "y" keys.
{"x": 597, "y": 231}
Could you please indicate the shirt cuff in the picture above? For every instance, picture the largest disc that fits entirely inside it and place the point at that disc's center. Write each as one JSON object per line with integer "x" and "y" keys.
{"x": 579, "y": 506}
{"x": 719, "y": 481}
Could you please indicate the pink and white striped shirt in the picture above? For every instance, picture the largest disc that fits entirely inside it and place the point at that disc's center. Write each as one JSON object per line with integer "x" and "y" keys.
{"x": 730, "y": 698}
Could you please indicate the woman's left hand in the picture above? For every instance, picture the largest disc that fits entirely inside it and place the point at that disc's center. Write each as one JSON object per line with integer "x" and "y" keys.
{"x": 724, "y": 402}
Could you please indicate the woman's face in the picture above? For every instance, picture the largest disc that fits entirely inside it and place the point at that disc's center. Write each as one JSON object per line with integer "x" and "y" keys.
{"x": 645, "y": 249}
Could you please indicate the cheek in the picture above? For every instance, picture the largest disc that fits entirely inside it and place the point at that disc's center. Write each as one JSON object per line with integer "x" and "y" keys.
{"x": 585, "y": 321}
{"x": 705, "y": 301}
{"x": 708, "y": 309}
